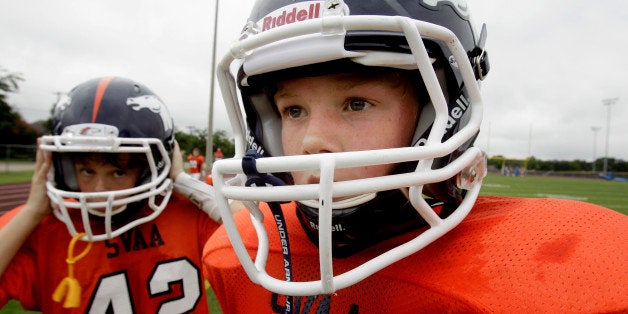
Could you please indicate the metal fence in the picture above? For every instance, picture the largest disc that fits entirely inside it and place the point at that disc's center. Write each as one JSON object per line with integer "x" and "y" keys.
{"x": 17, "y": 157}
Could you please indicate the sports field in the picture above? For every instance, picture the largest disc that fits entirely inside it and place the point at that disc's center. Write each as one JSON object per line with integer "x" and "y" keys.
{"x": 611, "y": 194}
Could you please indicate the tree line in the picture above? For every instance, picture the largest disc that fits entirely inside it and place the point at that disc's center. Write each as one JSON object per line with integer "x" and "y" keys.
{"x": 13, "y": 128}
{"x": 534, "y": 164}
{"x": 17, "y": 133}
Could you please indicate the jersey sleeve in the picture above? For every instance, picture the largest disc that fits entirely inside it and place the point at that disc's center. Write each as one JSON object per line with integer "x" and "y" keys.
{"x": 18, "y": 280}
{"x": 6, "y": 217}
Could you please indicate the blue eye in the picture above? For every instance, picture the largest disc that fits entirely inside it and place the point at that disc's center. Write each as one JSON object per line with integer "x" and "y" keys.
{"x": 357, "y": 104}
{"x": 294, "y": 112}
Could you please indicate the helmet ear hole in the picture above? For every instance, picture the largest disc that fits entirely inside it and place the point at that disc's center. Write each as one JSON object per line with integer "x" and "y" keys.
{"x": 64, "y": 172}
{"x": 142, "y": 160}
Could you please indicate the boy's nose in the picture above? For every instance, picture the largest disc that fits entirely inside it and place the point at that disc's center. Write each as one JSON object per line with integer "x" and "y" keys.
{"x": 320, "y": 136}
{"x": 100, "y": 184}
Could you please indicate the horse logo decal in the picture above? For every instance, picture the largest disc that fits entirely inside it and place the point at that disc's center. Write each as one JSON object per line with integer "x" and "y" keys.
{"x": 154, "y": 104}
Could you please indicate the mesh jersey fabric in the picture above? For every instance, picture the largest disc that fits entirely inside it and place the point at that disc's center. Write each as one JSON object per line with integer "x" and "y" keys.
{"x": 156, "y": 265}
{"x": 510, "y": 255}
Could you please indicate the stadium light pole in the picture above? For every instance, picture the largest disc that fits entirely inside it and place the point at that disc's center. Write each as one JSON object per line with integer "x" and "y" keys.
{"x": 209, "y": 145}
{"x": 595, "y": 129}
{"x": 530, "y": 141}
{"x": 608, "y": 103}
{"x": 488, "y": 140}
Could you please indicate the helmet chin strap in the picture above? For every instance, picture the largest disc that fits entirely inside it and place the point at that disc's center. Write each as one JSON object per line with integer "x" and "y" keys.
{"x": 254, "y": 178}
{"x": 344, "y": 203}
{"x": 103, "y": 214}
{"x": 358, "y": 227}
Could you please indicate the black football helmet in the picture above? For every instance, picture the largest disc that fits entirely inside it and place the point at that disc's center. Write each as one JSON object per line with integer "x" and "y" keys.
{"x": 283, "y": 39}
{"x": 109, "y": 115}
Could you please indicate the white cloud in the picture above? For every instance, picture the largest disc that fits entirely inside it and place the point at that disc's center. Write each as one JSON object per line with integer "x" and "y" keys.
{"x": 552, "y": 64}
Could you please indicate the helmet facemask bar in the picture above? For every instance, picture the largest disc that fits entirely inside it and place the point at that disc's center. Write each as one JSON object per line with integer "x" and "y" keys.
{"x": 471, "y": 161}
{"x": 155, "y": 187}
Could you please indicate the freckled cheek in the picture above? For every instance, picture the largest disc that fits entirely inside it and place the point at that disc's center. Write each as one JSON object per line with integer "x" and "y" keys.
{"x": 291, "y": 142}
{"x": 402, "y": 134}
{"x": 300, "y": 177}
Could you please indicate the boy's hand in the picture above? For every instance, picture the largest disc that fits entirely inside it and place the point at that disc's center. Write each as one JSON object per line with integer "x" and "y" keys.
{"x": 38, "y": 203}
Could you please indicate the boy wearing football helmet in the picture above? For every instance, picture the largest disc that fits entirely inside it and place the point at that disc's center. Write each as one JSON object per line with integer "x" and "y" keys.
{"x": 361, "y": 182}
{"x": 106, "y": 174}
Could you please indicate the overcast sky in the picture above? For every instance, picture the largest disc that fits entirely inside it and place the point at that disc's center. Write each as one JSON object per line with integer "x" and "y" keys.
{"x": 553, "y": 63}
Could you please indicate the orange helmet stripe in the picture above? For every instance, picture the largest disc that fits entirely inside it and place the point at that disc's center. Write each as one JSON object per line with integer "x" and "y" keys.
{"x": 100, "y": 92}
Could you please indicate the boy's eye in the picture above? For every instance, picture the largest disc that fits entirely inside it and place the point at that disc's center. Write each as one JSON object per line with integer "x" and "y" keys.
{"x": 294, "y": 112}
{"x": 119, "y": 173}
{"x": 86, "y": 171}
{"x": 357, "y": 105}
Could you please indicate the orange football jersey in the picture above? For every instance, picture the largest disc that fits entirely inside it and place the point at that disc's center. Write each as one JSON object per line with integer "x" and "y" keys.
{"x": 153, "y": 267}
{"x": 509, "y": 255}
{"x": 196, "y": 163}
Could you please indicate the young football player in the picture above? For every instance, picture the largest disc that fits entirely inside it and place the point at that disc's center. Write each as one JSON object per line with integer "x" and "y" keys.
{"x": 196, "y": 162}
{"x": 361, "y": 181}
{"x": 101, "y": 230}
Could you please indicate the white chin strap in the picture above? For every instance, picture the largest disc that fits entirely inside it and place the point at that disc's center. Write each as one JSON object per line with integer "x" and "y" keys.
{"x": 100, "y": 213}
{"x": 344, "y": 203}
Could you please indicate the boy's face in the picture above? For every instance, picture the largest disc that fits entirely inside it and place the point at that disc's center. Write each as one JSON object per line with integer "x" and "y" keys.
{"x": 345, "y": 112}
{"x": 98, "y": 175}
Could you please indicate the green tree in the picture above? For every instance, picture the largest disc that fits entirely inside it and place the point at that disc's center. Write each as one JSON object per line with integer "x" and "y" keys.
{"x": 189, "y": 140}
{"x": 620, "y": 165}
{"x": 533, "y": 163}
{"x": 198, "y": 138}
{"x": 13, "y": 128}
{"x": 224, "y": 143}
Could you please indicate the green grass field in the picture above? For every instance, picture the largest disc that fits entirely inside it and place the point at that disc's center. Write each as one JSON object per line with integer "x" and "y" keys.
{"x": 611, "y": 194}
{"x": 15, "y": 176}
{"x": 14, "y": 307}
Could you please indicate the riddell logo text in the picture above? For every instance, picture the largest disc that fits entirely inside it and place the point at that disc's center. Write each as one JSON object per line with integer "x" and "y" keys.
{"x": 289, "y": 15}
{"x": 336, "y": 227}
{"x": 252, "y": 145}
{"x": 455, "y": 114}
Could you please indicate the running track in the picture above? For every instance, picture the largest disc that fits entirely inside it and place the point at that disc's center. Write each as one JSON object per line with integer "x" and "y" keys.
{"x": 13, "y": 195}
